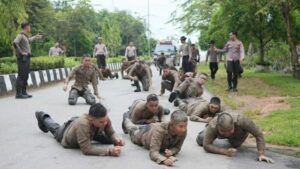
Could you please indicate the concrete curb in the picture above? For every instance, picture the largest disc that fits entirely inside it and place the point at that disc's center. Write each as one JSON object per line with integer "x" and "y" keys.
{"x": 41, "y": 77}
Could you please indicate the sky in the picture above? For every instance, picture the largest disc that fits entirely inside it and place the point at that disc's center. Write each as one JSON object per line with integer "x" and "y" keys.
{"x": 160, "y": 13}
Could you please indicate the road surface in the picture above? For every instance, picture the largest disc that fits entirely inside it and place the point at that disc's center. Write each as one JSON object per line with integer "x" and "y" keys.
{"x": 24, "y": 146}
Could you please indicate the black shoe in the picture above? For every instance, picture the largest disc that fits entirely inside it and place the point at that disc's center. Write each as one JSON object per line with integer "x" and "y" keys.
{"x": 229, "y": 89}
{"x": 173, "y": 96}
{"x": 235, "y": 90}
{"x": 176, "y": 102}
{"x": 166, "y": 111}
{"x": 117, "y": 75}
{"x": 137, "y": 90}
{"x": 24, "y": 92}
{"x": 40, "y": 118}
{"x": 21, "y": 96}
{"x": 125, "y": 115}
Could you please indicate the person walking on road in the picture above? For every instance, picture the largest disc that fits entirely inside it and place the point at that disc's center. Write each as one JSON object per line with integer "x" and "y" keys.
{"x": 235, "y": 55}
{"x": 22, "y": 46}
{"x": 185, "y": 52}
{"x": 100, "y": 51}
{"x": 130, "y": 52}
{"x": 212, "y": 54}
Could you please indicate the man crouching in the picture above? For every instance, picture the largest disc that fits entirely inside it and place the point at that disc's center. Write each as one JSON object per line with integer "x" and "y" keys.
{"x": 164, "y": 140}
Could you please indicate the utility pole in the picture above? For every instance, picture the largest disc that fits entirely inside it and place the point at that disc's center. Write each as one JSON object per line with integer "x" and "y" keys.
{"x": 149, "y": 45}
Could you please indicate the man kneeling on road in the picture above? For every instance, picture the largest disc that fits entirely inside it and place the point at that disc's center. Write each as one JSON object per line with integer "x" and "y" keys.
{"x": 200, "y": 110}
{"x": 236, "y": 129}
{"x": 145, "y": 112}
{"x": 189, "y": 88}
{"x": 164, "y": 140}
{"x": 84, "y": 74}
{"x": 79, "y": 132}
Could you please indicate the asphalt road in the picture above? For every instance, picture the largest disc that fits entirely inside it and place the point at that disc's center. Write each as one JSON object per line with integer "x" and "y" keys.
{"x": 24, "y": 146}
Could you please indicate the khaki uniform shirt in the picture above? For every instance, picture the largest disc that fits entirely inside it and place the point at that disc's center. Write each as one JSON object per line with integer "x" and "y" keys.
{"x": 144, "y": 71}
{"x": 158, "y": 139}
{"x": 173, "y": 77}
{"x": 83, "y": 76}
{"x": 242, "y": 126}
{"x": 184, "y": 49}
{"x": 54, "y": 51}
{"x": 22, "y": 41}
{"x": 139, "y": 114}
{"x": 130, "y": 51}
{"x": 235, "y": 50}
{"x": 200, "y": 110}
{"x": 212, "y": 55}
{"x": 100, "y": 49}
{"x": 80, "y": 134}
{"x": 190, "y": 88}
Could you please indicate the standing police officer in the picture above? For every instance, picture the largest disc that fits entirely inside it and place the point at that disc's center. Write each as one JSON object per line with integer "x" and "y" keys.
{"x": 22, "y": 46}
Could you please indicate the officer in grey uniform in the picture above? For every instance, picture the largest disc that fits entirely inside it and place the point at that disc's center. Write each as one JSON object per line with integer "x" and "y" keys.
{"x": 23, "y": 51}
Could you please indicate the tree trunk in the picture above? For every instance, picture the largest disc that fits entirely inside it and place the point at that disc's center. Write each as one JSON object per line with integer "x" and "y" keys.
{"x": 261, "y": 43}
{"x": 286, "y": 10}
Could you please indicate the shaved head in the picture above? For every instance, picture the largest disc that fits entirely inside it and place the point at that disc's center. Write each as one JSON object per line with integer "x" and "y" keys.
{"x": 225, "y": 122}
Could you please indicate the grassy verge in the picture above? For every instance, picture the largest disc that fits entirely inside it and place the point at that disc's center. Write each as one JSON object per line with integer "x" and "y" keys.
{"x": 280, "y": 127}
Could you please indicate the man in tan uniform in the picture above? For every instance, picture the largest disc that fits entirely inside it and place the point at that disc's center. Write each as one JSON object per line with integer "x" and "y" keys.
{"x": 170, "y": 80}
{"x": 200, "y": 110}
{"x": 55, "y": 50}
{"x": 79, "y": 132}
{"x": 125, "y": 66}
{"x": 84, "y": 74}
{"x": 141, "y": 72}
{"x": 145, "y": 112}
{"x": 236, "y": 129}
{"x": 189, "y": 88}
{"x": 163, "y": 140}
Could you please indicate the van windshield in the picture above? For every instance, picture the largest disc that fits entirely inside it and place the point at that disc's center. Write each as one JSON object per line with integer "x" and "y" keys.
{"x": 165, "y": 48}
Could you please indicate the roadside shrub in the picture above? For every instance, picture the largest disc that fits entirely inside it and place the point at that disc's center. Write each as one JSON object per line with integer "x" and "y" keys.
{"x": 44, "y": 62}
{"x": 278, "y": 55}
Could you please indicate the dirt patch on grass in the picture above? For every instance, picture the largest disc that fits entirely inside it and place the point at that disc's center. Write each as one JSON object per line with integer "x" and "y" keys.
{"x": 261, "y": 106}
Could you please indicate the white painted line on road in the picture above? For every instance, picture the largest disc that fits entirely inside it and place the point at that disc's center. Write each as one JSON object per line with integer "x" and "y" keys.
{"x": 37, "y": 78}
{"x": 7, "y": 83}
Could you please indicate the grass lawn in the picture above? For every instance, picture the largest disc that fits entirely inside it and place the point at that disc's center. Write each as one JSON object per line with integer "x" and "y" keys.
{"x": 281, "y": 126}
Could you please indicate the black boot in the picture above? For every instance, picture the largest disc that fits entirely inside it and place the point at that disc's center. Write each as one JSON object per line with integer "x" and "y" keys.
{"x": 137, "y": 84}
{"x": 125, "y": 116}
{"x": 24, "y": 92}
{"x": 166, "y": 111}
{"x": 19, "y": 94}
{"x": 40, "y": 116}
{"x": 117, "y": 75}
{"x": 176, "y": 102}
{"x": 173, "y": 96}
